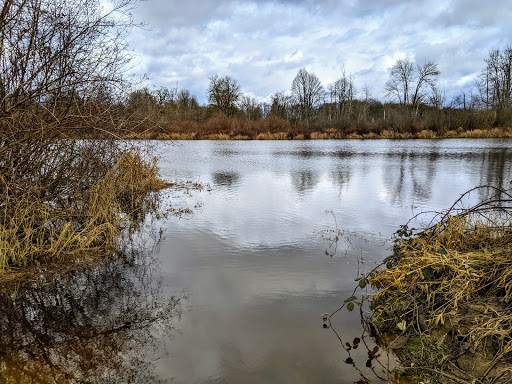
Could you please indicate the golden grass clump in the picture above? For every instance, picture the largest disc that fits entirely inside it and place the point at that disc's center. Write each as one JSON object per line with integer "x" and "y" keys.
{"x": 71, "y": 206}
{"x": 319, "y": 136}
{"x": 426, "y": 134}
{"x": 272, "y": 136}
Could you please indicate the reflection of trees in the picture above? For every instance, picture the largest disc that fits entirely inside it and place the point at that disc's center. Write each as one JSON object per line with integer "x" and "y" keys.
{"x": 225, "y": 179}
{"x": 341, "y": 176}
{"x": 419, "y": 169}
{"x": 94, "y": 325}
{"x": 494, "y": 170}
{"x": 307, "y": 153}
{"x": 304, "y": 181}
{"x": 393, "y": 177}
{"x": 426, "y": 165}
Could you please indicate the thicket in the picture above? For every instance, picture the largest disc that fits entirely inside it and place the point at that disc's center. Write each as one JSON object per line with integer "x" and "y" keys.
{"x": 61, "y": 64}
{"x": 365, "y": 121}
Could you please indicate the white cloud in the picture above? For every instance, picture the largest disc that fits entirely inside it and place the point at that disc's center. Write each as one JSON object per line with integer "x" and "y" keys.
{"x": 263, "y": 43}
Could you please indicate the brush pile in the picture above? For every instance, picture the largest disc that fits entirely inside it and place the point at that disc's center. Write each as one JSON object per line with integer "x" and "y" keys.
{"x": 445, "y": 295}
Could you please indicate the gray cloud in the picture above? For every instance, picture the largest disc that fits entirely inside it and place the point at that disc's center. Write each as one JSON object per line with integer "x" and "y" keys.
{"x": 263, "y": 43}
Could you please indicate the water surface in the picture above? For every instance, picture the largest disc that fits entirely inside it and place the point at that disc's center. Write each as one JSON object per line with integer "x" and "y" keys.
{"x": 236, "y": 292}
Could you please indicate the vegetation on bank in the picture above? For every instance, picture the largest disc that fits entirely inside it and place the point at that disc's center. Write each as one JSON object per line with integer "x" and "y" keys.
{"x": 70, "y": 200}
{"x": 222, "y": 127}
{"x": 64, "y": 199}
{"x": 443, "y": 302}
{"x": 416, "y": 106}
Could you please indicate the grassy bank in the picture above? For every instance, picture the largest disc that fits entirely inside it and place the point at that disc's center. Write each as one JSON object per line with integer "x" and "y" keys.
{"x": 443, "y": 302}
{"x": 328, "y": 134}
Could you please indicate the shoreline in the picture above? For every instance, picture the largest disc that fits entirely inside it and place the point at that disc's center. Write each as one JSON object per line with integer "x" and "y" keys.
{"x": 329, "y": 134}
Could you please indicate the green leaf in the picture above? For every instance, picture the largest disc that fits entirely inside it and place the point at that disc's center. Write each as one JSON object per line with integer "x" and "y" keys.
{"x": 350, "y": 306}
{"x": 362, "y": 283}
{"x": 351, "y": 298}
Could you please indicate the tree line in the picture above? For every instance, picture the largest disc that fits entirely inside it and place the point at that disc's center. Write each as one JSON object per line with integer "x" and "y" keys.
{"x": 415, "y": 100}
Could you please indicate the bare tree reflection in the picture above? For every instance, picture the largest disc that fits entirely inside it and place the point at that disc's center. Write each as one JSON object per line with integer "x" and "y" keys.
{"x": 304, "y": 181}
{"x": 495, "y": 171}
{"x": 102, "y": 324}
{"x": 341, "y": 176}
{"x": 423, "y": 171}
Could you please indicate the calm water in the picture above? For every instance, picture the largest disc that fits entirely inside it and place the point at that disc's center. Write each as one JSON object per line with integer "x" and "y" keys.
{"x": 235, "y": 292}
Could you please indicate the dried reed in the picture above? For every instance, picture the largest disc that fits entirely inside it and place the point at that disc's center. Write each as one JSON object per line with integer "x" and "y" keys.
{"x": 67, "y": 198}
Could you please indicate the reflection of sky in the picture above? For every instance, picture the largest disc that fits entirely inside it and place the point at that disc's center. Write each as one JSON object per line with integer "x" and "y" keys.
{"x": 267, "y": 193}
{"x": 252, "y": 261}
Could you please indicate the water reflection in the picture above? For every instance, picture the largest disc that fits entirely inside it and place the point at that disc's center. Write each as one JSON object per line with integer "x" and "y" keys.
{"x": 225, "y": 179}
{"x": 95, "y": 325}
{"x": 252, "y": 263}
{"x": 341, "y": 176}
{"x": 495, "y": 171}
{"x": 304, "y": 181}
{"x": 409, "y": 171}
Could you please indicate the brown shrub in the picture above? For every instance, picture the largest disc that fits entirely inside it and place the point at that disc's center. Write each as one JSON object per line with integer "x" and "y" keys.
{"x": 273, "y": 123}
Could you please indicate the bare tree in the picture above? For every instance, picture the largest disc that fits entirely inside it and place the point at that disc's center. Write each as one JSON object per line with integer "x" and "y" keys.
{"x": 437, "y": 97}
{"x": 342, "y": 93}
{"x": 409, "y": 84}
{"x": 308, "y": 91}
{"x": 185, "y": 100}
{"x": 251, "y": 108}
{"x": 62, "y": 68}
{"x": 495, "y": 84}
{"x": 55, "y": 54}
{"x": 426, "y": 77}
{"x": 224, "y": 93}
{"x": 399, "y": 83}
{"x": 281, "y": 105}
{"x": 165, "y": 95}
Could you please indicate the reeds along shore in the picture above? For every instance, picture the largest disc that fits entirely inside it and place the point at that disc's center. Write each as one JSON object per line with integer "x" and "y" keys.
{"x": 328, "y": 134}
{"x": 64, "y": 199}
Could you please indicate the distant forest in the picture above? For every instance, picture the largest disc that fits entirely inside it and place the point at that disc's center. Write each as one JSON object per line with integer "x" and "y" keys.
{"x": 416, "y": 106}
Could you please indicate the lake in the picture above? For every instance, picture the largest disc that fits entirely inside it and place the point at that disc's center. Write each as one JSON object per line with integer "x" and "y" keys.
{"x": 235, "y": 291}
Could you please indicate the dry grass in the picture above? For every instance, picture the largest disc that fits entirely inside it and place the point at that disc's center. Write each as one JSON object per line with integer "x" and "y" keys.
{"x": 73, "y": 198}
{"x": 319, "y": 136}
{"x": 221, "y": 127}
{"x": 272, "y": 136}
{"x": 218, "y": 136}
{"x": 426, "y": 134}
{"x": 455, "y": 277}
{"x": 487, "y": 133}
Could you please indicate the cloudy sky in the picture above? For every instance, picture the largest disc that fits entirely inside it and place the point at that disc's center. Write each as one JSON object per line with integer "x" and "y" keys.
{"x": 263, "y": 43}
